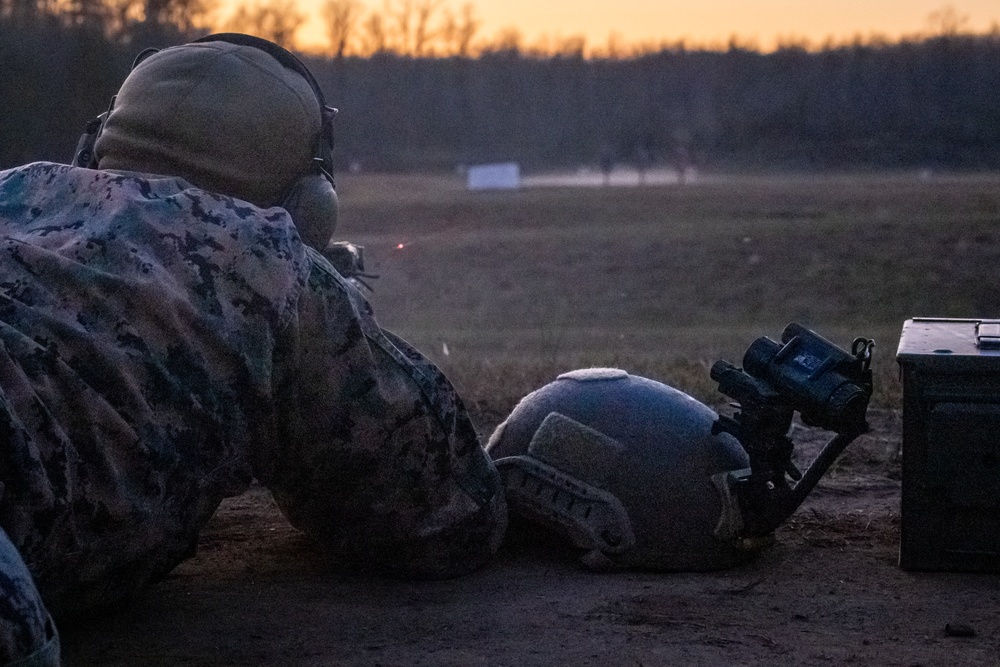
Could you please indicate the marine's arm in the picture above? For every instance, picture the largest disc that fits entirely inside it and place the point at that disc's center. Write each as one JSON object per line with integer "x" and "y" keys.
{"x": 375, "y": 456}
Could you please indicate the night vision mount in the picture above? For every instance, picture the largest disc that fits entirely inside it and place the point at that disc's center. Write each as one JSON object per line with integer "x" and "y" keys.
{"x": 805, "y": 373}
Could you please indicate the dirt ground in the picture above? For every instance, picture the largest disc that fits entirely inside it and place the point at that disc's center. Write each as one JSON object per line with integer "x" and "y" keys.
{"x": 828, "y": 592}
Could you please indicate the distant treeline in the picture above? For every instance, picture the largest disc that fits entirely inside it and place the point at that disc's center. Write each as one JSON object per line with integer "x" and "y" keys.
{"x": 929, "y": 103}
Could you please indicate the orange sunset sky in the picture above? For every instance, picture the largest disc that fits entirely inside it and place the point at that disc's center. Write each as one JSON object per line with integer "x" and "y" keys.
{"x": 698, "y": 22}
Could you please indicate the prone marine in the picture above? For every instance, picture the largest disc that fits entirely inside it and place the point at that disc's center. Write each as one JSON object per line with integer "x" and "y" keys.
{"x": 169, "y": 332}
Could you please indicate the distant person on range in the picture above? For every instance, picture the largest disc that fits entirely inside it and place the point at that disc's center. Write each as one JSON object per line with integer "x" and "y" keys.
{"x": 169, "y": 332}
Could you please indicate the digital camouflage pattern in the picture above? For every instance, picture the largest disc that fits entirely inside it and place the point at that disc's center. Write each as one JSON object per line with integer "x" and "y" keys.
{"x": 162, "y": 346}
{"x": 27, "y": 635}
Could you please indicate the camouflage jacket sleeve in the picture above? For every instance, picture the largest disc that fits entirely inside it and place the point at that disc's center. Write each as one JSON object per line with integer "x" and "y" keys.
{"x": 160, "y": 344}
{"x": 138, "y": 320}
{"x": 375, "y": 456}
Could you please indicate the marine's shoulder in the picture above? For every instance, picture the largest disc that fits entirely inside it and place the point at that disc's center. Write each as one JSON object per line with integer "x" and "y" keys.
{"x": 29, "y": 174}
{"x": 48, "y": 186}
{"x": 55, "y": 171}
{"x": 225, "y": 254}
{"x": 50, "y": 179}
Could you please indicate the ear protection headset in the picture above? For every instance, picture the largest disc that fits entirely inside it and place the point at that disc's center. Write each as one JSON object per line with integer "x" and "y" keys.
{"x": 312, "y": 199}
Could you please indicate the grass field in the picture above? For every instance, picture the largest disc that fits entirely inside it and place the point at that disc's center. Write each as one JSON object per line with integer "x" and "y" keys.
{"x": 662, "y": 281}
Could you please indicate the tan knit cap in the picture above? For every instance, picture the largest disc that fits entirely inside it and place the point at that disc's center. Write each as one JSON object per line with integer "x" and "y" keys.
{"x": 227, "y": 118}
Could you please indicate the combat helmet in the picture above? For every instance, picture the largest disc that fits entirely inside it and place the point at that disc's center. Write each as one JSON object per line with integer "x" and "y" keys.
{"x": 628, "y": 469}
{"x": 643, "y": 475}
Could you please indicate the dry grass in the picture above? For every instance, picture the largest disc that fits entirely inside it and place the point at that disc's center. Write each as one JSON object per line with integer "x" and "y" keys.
{"x": 827, "y": 530}
{"x": 665, "y": 280}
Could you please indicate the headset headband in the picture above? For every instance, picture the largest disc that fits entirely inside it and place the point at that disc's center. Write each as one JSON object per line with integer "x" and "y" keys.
{"x": 279, "y": 53}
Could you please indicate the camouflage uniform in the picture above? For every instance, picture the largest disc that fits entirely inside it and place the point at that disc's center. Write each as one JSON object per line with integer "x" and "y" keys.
{"x": 160, "y": 346}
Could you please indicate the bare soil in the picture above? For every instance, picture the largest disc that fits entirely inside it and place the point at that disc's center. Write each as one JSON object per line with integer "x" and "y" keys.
{"x": 828, "y": 592}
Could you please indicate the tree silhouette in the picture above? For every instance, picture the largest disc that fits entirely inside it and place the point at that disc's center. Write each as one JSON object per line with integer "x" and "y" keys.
{"x": 342, "y": 17}
{"x": 276, "y": 20}
{"x": 927, "y": 102}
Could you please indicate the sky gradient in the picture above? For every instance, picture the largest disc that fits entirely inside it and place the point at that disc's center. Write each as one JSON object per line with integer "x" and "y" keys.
{"x": 701, "y": 22}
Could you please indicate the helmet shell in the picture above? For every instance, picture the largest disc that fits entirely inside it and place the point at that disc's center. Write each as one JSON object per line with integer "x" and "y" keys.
{"x": 647, "y": 445}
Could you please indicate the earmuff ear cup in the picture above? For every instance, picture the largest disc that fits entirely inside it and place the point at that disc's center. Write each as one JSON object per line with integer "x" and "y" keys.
{"x": 312, "y": 203}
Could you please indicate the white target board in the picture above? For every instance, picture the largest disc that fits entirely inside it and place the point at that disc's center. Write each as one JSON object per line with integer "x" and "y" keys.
{"x": 499, "y": 176}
